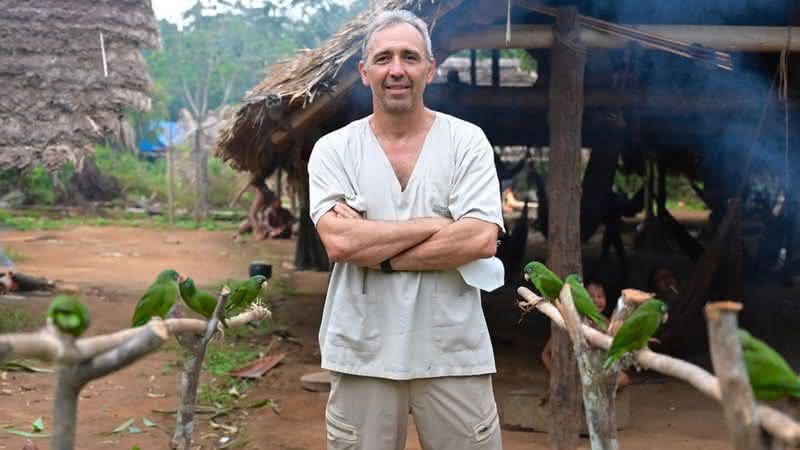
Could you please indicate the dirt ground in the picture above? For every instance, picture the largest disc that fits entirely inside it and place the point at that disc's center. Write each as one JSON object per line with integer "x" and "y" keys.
{"x": 112, "y": 265}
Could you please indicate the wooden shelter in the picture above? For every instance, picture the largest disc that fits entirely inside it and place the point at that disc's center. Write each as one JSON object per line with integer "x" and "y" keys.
{"x": 708, "y": 109}
{"x": 68, "y": 71}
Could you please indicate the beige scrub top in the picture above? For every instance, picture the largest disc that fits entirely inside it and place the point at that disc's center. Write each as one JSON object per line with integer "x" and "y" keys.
{"x": 405, "y": 325}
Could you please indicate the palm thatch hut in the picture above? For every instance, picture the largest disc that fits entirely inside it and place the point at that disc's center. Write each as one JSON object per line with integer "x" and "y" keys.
{"x": 659, "y": 112}
{"x": 69, "y": 69}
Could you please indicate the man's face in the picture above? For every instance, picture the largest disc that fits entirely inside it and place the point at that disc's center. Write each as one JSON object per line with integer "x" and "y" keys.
{"x": 397, "y": 68}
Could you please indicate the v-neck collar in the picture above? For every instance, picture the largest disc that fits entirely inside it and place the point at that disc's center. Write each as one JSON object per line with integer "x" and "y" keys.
{"x": 419, "y": 160}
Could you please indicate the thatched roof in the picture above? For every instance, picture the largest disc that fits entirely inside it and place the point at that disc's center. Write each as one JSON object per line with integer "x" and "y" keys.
{"x": 55, "y": 100}
{"x": 317, "y": 90}
{"x": 300, "y": 81}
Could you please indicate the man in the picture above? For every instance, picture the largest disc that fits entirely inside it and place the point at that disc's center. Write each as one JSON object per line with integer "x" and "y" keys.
{"x": 404, "y": 201}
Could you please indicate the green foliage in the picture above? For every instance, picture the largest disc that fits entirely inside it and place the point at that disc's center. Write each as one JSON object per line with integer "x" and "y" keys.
{"x": 143, "y": 177}
{"x": 220, "y": 360}
{"x": 14, "y": 319}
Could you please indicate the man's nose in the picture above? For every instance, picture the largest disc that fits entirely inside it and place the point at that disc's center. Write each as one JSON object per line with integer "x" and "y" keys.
{"x": 396, "y": 68}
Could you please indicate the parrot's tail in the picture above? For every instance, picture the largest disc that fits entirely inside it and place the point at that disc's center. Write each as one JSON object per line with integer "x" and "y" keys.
{"x": 609, "y": 361}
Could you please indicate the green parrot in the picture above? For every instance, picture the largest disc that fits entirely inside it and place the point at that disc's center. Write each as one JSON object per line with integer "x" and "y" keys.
{"x": 584, "y": 303}
{"x": 770, "y": 375}
{"x": 637, "y": 329}
{"x": 69, "y": 314}
{"x": 546, "y": 282}
{"x": 198, "y": 301}
{"x": 245, "y": 294}
{"x": 158, "y": 299}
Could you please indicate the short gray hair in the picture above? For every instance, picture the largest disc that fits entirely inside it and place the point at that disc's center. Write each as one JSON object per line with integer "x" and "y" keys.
{"x": 394, "y": 17}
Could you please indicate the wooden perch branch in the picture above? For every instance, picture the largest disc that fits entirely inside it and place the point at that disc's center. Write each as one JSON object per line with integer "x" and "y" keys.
{"x": 598, "y": 388}
{"x": 773, "y": 421}
{"x": 738, "y": 405}
{"x": 46, "y": 346}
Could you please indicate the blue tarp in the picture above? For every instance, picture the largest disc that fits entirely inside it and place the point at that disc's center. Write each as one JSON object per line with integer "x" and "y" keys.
{"x": 166, "y": 132}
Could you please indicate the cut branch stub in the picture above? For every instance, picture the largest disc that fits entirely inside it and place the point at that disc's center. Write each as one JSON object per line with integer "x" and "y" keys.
{"x": 738, "y": 402}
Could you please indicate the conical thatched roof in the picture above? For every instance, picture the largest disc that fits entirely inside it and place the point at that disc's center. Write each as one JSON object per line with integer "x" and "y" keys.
{"x": 299, "y": 82}
{"x": 55, "y": 99}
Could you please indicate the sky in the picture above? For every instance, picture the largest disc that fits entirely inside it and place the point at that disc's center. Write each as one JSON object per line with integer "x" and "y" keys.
{"x": 172, "y": 9}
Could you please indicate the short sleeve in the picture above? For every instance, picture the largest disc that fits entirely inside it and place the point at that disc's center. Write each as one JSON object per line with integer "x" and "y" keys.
{"x": 327, "y": 179}
{"x": 476, "y": 190}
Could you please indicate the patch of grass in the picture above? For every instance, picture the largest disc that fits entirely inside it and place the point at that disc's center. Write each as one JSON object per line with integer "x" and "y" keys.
{"x": 14, "y": 319}
{"x": 221, "y": 359}
{"x": 223, "y": 389}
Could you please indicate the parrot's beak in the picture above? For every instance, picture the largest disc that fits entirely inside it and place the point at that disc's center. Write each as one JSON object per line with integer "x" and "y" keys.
{"x": 527, "y": 277}
{"x": 666, "y": 317}
{"x": 181, "y": 278}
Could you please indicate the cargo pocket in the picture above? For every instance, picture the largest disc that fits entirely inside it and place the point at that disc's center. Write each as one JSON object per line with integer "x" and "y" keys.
{"x": 354, "y": 323}
{"x": 341, "y": 435}
{"x": 484, "y": 430}
{"x": 457, "y": 315}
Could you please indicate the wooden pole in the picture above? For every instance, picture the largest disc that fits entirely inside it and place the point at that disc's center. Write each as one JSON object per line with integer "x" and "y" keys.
{"x": 496, "y": 68}
{"x": 564, "y": 196}
{"x": 732, "y": 38}
{"x": 473, "y": 67}
{"x": 738, "y": 402}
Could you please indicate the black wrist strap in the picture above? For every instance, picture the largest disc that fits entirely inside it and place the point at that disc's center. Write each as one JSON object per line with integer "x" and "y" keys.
{"x": 386, "y": 266}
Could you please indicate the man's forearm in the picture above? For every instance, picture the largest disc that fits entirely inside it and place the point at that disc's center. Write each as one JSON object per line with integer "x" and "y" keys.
{"x": 457, "y": 244}
{"x": 370, "y": 242}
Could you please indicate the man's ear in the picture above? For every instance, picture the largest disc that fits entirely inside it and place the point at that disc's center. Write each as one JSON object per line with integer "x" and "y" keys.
{"x": 431, "y": 69}
{"x": 363, "y": 72}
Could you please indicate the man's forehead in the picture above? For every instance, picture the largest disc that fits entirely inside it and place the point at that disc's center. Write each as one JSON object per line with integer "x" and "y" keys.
{"x": 398, "y": 36}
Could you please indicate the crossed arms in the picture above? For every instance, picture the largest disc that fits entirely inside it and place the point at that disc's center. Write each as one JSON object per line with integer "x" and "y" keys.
{"x": 413, "y": 245}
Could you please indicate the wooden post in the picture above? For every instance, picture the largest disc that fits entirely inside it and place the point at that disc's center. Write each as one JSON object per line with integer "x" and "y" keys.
{"x": 738, "y": 403}
{"x": 495, "y": 68}
{"x": 564, "y": 196}
{"x": 473, "y": 67}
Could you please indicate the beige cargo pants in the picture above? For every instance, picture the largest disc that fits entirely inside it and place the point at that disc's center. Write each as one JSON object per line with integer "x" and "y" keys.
{"x": 451, "y": 413}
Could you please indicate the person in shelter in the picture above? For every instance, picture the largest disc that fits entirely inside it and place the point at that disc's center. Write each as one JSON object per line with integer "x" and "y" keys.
{"x": 403, "y": 200}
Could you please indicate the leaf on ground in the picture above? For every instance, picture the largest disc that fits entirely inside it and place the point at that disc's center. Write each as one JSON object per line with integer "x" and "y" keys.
{"x": 17, "y": 366}
{"x": 136, "y": 447}
{"x": 133, "y": 430}
{"x": 258, "y": 368}
{"x": 147, "y": 422}
{"x": 38, "y": 425}
{"x": 122, "y": 427}
{"x": 26, "y": 434}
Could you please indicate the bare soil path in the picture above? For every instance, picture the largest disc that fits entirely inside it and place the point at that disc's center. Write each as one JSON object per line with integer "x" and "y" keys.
{"x": 112, "y": 266}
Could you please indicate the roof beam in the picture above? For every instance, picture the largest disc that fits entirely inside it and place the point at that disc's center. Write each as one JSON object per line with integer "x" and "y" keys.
{"x": 732, "y": 38}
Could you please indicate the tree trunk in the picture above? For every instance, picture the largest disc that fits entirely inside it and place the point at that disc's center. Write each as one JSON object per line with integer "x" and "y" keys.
{"x": 564, "y": 196}
{"x": 65, "y": 408}
{"x": 171, "y": 182}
